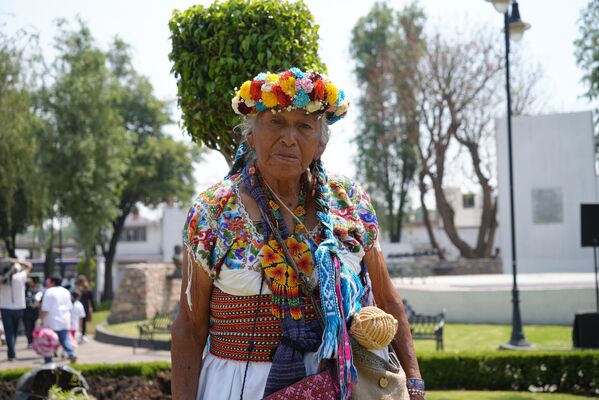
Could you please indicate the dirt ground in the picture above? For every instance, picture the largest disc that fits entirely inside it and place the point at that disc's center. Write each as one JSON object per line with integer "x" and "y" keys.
{"x": 122, "y": 388}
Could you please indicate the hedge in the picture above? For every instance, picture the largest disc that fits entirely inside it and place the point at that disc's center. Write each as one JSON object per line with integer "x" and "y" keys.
{"x": 575, "y": 372}
{"x": 147, "y": 370}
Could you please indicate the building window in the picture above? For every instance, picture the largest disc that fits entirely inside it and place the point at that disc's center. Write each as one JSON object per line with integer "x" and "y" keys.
{"x": 468, "y": 200}
{"x": 137, "y": 234}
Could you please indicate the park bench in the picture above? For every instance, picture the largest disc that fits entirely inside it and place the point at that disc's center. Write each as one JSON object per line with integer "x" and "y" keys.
{"x": 426, "y": 327}
{"x": 160, "y": 323}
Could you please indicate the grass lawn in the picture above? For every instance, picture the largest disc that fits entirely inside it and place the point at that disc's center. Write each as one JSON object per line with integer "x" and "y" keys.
{"x": 457, "y": 337}
{"x": 99, "y": 317}
{"x": 479, "y": 337}
{"x": 462, "y": 395}
{"x": 130, "y": 329}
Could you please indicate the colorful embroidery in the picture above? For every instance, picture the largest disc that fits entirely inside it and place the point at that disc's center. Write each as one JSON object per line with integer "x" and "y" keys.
{"x": 219, "y": 233}
{"x": 284, "y": 279}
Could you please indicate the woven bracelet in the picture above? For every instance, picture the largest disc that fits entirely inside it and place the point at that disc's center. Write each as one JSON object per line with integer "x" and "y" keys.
{"x": 415, "y": 386}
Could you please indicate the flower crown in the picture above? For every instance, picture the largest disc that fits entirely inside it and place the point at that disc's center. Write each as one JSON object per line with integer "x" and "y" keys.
{"x": 288, "y": 90}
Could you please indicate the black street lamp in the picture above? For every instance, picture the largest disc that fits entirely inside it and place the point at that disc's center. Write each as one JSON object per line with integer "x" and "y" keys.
{"x": 513, "y": 28}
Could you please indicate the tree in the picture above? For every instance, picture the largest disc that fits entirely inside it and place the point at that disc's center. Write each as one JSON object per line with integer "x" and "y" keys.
{"x": 587, "y": 48}
{"x": 216, "y": 48}
{"x": 387, "y": 47}
{"x": 22, "y": 184}
{"x": 460, "y": 81}
{"x": 159, "y": 169}
{"x": 87, "y": 145}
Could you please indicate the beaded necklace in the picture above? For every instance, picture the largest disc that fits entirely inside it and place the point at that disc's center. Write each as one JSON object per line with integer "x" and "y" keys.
{"x": 283, "y": 278}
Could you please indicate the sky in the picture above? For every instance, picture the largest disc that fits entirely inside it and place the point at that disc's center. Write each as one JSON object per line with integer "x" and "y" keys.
{"x": 144, "y": 25}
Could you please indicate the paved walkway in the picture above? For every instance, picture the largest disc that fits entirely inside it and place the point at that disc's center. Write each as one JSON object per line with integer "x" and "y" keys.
{"x": 88, "y": 353}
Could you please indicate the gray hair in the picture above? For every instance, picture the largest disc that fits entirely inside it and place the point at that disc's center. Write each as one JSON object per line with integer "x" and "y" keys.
{"x": 247, "y": 126}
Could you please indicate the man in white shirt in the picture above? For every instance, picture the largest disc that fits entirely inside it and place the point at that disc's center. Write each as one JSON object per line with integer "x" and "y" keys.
{"x": 12, "y": 300}
{"x": 56, "y": 314}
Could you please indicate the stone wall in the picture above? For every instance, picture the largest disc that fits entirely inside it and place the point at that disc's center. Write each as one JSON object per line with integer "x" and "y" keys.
{"x": 432, "y": 266}
{"x": 145, "y": 289}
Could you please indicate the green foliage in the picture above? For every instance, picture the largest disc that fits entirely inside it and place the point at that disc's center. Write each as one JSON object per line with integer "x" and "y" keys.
{"x": 386, "y": 46}
{"x": 23, "y": 187}
{"x": 80, "y": 267}
{"x": 587, "y": 47}
{"x": 159, "y": 169}
{"x": 148, "y": 370}
{"x": 575, "y": 372}
{"x": 87, "y": 145}
{"x": 104, "y": 305}
{"x": 56, "y": 393}
{"x": 217, "y": 48}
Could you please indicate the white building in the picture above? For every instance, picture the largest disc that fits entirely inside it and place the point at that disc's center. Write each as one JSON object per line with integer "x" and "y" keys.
{"x": 144, "y": 240}
{"x": 553, "y": 172}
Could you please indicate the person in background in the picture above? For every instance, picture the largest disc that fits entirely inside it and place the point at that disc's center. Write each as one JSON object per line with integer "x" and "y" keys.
{"x": 33, "y": 298}
{"x": 87, "y": 299}
{"x": 56, "y": 315}
{"x": 12, "y": 300}
{"x": 77, "y": 316}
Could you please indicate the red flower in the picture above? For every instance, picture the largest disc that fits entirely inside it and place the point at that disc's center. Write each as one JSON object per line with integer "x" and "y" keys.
{"x": 282, "y": 98}
{"x": 286, "y": 74}
{"x": 243, "y": 108}
{"x": 318, "y": 90}
{"x": 256, "y": 90}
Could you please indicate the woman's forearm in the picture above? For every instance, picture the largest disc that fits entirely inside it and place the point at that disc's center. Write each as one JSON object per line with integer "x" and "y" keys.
{"x": 186, "y": 358}
{"x": 403, "y": 343}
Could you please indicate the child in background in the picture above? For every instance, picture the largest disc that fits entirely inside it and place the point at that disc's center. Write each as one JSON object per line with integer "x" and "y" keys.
{"x": 77, "y": 315}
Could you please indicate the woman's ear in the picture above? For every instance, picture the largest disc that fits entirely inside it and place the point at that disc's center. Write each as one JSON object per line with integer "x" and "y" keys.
{"x": 250, "y": 139}
{"x": 320, "y": 150}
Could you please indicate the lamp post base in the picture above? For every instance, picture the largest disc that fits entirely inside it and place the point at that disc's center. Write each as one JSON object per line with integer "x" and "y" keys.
{"x": 521, "y": 345}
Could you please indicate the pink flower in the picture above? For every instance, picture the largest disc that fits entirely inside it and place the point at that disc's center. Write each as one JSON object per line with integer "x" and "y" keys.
{"x": 304, "y": 84}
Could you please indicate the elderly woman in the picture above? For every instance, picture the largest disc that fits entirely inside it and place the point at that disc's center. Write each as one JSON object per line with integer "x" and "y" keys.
{"x": 278, "y": 217}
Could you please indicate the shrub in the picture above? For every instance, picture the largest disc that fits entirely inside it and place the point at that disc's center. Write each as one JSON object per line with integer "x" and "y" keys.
{"x": 216, "y": 48}
{"x": 147, "y": 370}
{"x": 575, "y": 372}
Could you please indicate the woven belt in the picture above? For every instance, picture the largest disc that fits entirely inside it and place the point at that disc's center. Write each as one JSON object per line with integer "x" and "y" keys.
{"x": 231, "y": 322}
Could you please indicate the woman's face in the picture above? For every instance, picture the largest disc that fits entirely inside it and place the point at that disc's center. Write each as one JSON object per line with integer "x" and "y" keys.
{"x": 285, "y": 142}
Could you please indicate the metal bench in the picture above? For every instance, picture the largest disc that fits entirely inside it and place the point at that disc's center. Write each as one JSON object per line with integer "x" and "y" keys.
{"x": 160, "y": 323}
{"x": 426, "y": 327}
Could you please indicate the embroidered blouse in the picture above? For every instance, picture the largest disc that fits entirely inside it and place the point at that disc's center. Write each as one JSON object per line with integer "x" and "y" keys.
{"x": 225, "y": 242}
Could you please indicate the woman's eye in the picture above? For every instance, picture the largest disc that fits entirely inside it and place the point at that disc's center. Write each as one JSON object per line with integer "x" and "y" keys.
{"x": 305, "y": 126}
{"x": 276, "y": 121}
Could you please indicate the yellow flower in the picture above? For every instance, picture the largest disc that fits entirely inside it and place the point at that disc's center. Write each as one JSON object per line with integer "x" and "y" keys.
{"x": 332, "y": 93}
{"x": 272, "y": 78}
{"x": 269, "y": 99}
{"x": 244, "y": 92}
{"x": 288, "y": 86}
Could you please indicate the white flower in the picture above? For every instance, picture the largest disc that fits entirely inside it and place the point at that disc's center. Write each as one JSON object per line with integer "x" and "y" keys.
{"x": 267, "y": 87}
{"x": 313, "y": 106}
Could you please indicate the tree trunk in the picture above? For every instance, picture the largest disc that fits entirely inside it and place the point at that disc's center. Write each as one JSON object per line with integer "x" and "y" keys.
{"x": 426, "y": 217}
{"x": 117, "y": 228}
{"x": 10, "y": 247}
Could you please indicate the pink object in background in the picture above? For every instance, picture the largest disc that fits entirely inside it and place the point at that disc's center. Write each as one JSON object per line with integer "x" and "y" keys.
{"x": 45, "y": 342}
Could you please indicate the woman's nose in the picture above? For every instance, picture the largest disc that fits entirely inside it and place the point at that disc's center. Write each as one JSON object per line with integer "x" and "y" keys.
{"x": 289, "y": 137}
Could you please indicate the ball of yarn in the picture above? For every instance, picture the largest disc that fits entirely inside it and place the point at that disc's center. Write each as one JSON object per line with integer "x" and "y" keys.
{"x": 373, "y": 328}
